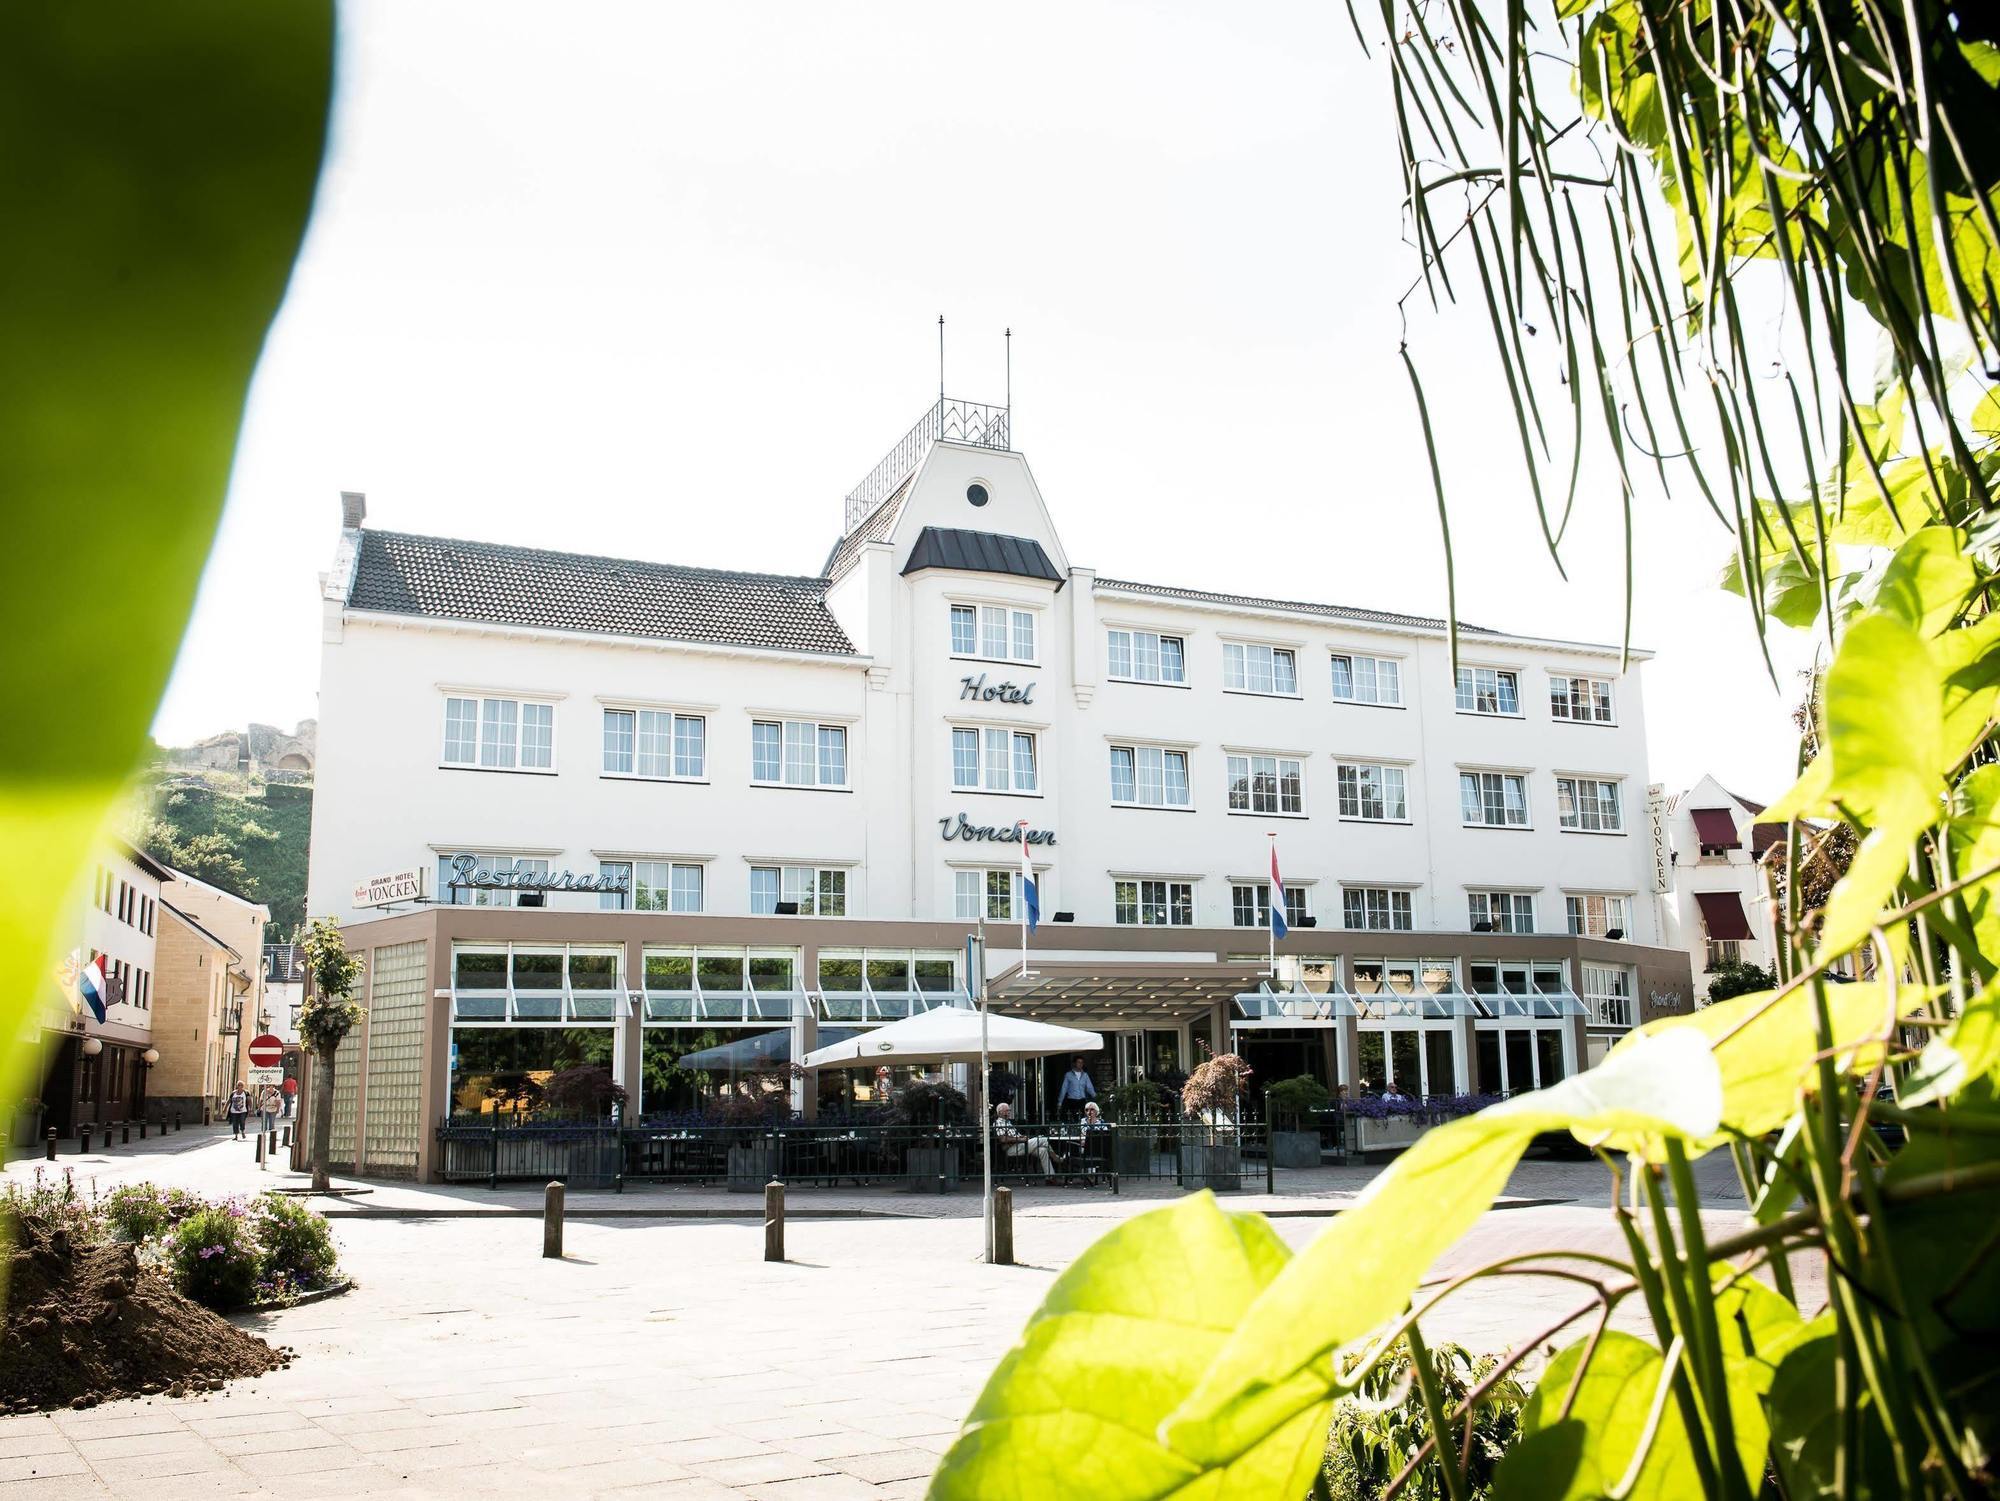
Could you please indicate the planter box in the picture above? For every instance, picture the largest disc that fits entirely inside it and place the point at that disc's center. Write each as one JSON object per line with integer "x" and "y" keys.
{"x": 1389, "y": 1135}
{"x": 1132, "y": 1152}
{"x": 1216, "y": 1165}
{"x": 1295, "y": 1149}
{"x": 751, "y": 1166}
{"x": 933, "y": 1169}
{"x": 27, "y": 1126}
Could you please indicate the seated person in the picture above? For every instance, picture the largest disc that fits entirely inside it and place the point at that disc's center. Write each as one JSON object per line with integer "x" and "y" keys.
{"x": 1013, "y": 1144}
{"x": 1096, "y": 1135}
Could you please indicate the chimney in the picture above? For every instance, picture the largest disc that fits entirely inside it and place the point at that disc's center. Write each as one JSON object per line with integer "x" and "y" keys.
{"x": 353, "y": 508}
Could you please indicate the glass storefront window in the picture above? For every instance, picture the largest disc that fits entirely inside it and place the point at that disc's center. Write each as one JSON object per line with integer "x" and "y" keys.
{"x": 936, "y": 976}
{"x": 502, "y": 1069}
{"x": 725, "y": 1075}
{"x": 1439, "y": 1063}
{"x": 719, "y": 971}
{"x": 1549, "y": 1054}
{"x": 1486, "y": 1050}
{"x": 479, "y": 984}
{"x": 669, "y": 971}
{"x": 1405, "y": 1072}
{"x": 1374, "y": 1069}
{"x": 1520, "y": 1061}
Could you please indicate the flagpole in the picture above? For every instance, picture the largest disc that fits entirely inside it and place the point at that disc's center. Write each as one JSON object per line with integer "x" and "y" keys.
{"x": 1270, "y": 926}
{"x": 975, "y": 979}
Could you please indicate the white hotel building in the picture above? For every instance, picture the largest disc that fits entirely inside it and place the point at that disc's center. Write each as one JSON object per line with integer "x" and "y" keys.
{"x": 785, "y": 787}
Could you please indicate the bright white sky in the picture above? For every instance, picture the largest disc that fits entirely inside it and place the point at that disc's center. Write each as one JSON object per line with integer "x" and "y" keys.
{"x": 663, "y": 281}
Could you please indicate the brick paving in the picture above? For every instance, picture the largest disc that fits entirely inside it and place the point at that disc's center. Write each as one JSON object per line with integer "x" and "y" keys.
{"x": 662, "y": 1357}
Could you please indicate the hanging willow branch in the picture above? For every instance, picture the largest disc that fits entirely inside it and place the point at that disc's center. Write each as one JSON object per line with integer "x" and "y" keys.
{"x": 1838, "y": 156}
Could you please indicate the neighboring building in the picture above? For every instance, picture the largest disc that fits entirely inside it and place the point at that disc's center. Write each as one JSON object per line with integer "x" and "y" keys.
{"x": 1718, "y": 907}
{"x": 241, "y": 925}
{"x": 664, "y": 811}
{"x": 94, "y": 1073}
{"x": 284, "y": 991}
{"x": 204, "y": 990}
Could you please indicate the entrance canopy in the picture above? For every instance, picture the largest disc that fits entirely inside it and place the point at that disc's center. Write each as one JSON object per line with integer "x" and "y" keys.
{"x": 952, "y": 1032}
{"x": 1122, "y": 991}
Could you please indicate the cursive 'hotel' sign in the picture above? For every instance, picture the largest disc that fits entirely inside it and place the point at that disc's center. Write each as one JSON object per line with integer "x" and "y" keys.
{"x": 980, "y": 691}
{"x": 961, "y": 827}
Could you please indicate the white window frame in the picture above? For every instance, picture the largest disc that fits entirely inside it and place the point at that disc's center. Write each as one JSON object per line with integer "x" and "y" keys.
{"x": 1469, "y": 688}
{"x": 485, "y": 707}
{"x": 996, "y": 763}
{"x": 991, "y": 622}
{"x": 1508, "y": 911}
{"x": 1134, "y": 639}
{"x": 805, "y": 884}
{"x": 786, "y": 742}
{"x": 1297, "y": 904}
{"x": 1172, "y": 896}
{"x": 678, "y": 894}
{"x": 1378, "y": 667}
{"x": 674, "y": 718}
{"x": 975, "y": 894}
{"x": 486, "y": 896}
{"x": 1577, "y": 913}
{"x": 1387, "y": 776}
{"x": 1139, "y": 751}
{"x": 1527, "y": 818}
{"x": 1601, "y": 703}
{"x": 1255, "y": 764}
{"x": 1576, "y": 816}
{"x": 1237, "y": 654}
{"x": 1397, "y": 907}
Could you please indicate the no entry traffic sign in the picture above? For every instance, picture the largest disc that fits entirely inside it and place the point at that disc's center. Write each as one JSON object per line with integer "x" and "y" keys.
{"x": 266, "y": 1051}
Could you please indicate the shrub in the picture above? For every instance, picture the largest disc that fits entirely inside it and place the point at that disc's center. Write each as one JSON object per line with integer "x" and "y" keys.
{"x": 930, "y": 1102}
{"x": 587, "y": 1091}
{"x": 53, "y": 1199}
{"x": 1376, "y": 1431}
{"x": 1137, "y": 1099}
{"x": 295, "y": 1249}
{"x": 214, "y": 1257}
{"x": 1211, "y": 1090}
{"x": 1292, "y": 1101}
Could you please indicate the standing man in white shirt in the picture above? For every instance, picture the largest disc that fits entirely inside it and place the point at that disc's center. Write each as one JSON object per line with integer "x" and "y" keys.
{"x": 1076, "y": 1088}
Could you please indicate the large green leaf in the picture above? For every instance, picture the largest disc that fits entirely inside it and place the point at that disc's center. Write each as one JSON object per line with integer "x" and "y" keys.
{"x": 1585, "y": 1455}
{"x": 1767, "y": 1043}
{"x": 1928, "y": 580}
{"x": 157, "y": 164}
{"x": 1945, "y": 1245}
{"x": 1360, "y": 1271}
{"x": 1806, "y": 1425}
{"x": 1075, "y": 1408}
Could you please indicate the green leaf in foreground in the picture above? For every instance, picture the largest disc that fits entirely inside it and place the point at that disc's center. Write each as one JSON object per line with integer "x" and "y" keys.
{"x": 1075, "y": 1407}
{"x": 157, "y": 164}
{"x": 1360, "y": 1271}
{"x": 1586, "y": 1454}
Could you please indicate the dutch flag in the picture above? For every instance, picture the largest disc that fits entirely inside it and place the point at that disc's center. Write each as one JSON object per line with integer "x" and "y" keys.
{"x": 1031, "y": 900}
{"x": 1278, "y": 924}
{"x": 93, "y": 987}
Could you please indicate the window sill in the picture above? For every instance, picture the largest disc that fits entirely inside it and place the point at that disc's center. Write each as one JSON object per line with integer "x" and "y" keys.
{"x": 1393, "y": 823}
{"x": 1250, "y": 813}
{"x": 798, "y": 787}
{"x": 993, "y": 792}
{"x": 1154, "y": 808}
{"x": 505, "y": 771}
{"x": 1488, "y": 714}
{"x": 1504, "y": 828}
{"x": 1258, "y": 693}
{"x": 996, "y": 661}
{"x": 1116, "y": 924}
{"x": 1591, "y": 724}
{"x": 1148, "y": 683}
{"x": 1362, "y": 703}
{"x": 633, "y": 776}
{"x": 1594, "y": 833}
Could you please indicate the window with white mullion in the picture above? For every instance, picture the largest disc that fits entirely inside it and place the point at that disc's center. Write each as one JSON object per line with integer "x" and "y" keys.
{"x": 655, "y": 743}
{"x": 1250, "y": 904}
{"x": 499, "y": 734}
{"x": 1248, "y": 667}
{"x": 964, "y": 630}
{"x": 1372, "y": 792}
{"x": 818, "y": 891}
{"x": 992, "y": 894}
{"x": 1502, "y": 911}
{"x": 993, "y": 633}
{"x": 1594, "y": 916}
{"x": 1588, "y": 804}
{"x": 1488, "y": 690}
{"x": 1153, "y": 903}
{"x": 1149, "y": 776}
{"x": 994, "y": 760}
{"x": 1493, "y": 799}
{"x": 1265, "y": 784}
{"x": 1379, "y": 908}
{"x": 1367, "y": 680}
{"x": 1580, "y": 700}
{"x": 1147, "y": 657}
{"x": 798, "y": 753}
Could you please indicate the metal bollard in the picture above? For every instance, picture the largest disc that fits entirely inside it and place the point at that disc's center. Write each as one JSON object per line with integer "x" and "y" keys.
{"x": 142, "y": 1130}
{"x": 288, "y": 1137}
{"x": 552, "y": 1221}
{"x": 774, "y": 1222}
{"x": 52, "y": 1143}
{"x": 1003, "y": 1227}
{"x": 83, "y": 1139}
{"x": 177, "y": 1120}
{"x": 126, "y": 1138}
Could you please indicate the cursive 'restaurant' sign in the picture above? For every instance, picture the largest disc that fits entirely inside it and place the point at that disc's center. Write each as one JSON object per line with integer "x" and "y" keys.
{"x": 980, "y": 691}
{"x": 520, "y": 876}
{"x": 961, "y": 827}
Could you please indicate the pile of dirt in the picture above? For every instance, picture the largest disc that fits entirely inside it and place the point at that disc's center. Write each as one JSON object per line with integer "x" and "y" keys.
{"x": 85, "y": 1323}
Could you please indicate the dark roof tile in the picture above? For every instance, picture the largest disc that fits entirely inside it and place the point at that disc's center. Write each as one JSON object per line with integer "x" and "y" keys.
{"x": 1333, "y": 612}
{"x": 981, "y": 552}
{"x": 439, "y": 578}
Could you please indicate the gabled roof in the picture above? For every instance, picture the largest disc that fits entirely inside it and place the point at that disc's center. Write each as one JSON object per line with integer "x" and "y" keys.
{"x": 1762, "y": 835}
{"x": 221, "y": 943}
{"x": 876, "y": 528}
{"x": 1332, "y": 612}
{"x": 444, "y": 579}
{"x": 981, "y": 552}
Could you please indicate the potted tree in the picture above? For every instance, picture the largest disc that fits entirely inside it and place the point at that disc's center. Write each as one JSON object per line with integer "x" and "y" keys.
{"x": 1213, "y": 1156}
{"x": 326, "y": 1016}
{"x": 588, "y": 1096}
{"x": 1290, "y": 1104}
{"x": 928, "y": 1104}
{"x": 1133, "y": 1108}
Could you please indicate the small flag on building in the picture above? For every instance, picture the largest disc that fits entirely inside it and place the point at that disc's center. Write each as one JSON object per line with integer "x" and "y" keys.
{"x": 1031, "y": 899}
{"x": 1278, "y": 923}
{"x": 93, "y": 987}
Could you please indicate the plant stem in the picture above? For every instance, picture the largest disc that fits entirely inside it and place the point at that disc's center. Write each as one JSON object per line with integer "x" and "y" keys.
{"x": 1447, "y": 1450}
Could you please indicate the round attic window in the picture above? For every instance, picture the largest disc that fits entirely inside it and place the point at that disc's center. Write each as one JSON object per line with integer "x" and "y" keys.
{"x": 976, "y": 493}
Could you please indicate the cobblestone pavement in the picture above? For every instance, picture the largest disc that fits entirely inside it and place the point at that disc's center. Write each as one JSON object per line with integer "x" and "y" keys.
{"x": 662, "y": 1357}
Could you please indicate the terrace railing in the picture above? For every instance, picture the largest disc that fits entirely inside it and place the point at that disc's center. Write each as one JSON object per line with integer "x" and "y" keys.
{"x": 949, "y": 420}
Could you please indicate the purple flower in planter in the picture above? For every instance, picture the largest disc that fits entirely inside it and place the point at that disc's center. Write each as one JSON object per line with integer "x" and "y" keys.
{"x": 208, "y": 1251}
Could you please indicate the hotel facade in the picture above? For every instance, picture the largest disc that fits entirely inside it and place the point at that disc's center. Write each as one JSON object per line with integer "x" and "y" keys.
{"x": 686, "y": 822}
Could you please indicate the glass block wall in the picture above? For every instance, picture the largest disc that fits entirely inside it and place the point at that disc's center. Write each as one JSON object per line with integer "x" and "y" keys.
{"x": 397, "y": 1007}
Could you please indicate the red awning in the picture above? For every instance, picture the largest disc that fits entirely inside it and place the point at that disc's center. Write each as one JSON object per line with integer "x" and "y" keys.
{"x": 1722, "y": 914}
{"x": 1716, "y": 828}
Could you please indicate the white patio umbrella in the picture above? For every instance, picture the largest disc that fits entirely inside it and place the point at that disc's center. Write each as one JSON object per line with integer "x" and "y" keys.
{"x": 952, "y": 1033}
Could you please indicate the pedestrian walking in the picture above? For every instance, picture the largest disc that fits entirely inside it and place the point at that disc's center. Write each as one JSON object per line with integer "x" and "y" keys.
{"x": 238, "y": 1109}
{"x": 291, "y": 1093}
{"x": 269, "y": 1103}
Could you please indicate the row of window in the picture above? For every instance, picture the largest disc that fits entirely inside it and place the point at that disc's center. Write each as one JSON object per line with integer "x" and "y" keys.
{"x": 129, "y": 983}
{"x": 123, "y": 901}
{"x": 995, "y": 894}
